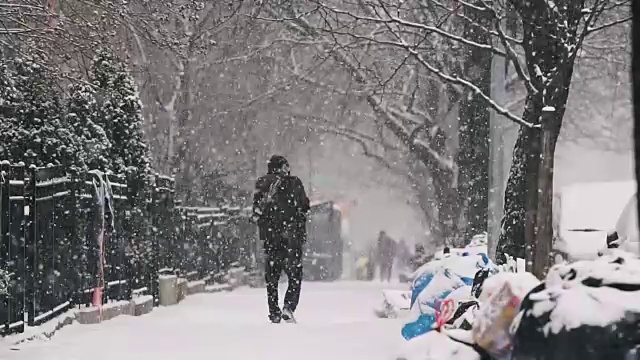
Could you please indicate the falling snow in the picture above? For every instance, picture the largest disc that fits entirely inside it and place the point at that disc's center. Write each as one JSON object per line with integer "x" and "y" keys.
{"x": 136, "y": 137}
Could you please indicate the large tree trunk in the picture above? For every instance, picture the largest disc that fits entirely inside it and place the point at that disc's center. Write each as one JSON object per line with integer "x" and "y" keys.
{"x": 473, "y": 134}
{"x": 448, "y": 212}
{"x": 183, "y": 160}
{"x": 512, "y": 235}
{"x": 527, "y": 230}
{"x": 527, "y": 225}
{"x": 543, "y": 228}
{"x": 444, "y": 191}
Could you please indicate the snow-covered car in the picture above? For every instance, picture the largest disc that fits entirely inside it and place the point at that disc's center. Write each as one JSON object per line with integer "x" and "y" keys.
{"x": 626, "y": 230}
{"x": 588, "y": 214}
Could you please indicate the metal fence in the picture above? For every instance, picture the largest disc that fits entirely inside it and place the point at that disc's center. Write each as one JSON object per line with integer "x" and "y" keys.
{"x": 65, "y": 234}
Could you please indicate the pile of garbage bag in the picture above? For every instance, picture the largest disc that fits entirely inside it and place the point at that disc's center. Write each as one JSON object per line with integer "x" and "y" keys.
{"x": 583, "y": 310}
{"x": 447, "y": 282}
{"x": 477, "y": 245}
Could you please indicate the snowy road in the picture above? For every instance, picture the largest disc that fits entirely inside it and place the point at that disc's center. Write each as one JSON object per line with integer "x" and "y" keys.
{"x": 335, "y": 322}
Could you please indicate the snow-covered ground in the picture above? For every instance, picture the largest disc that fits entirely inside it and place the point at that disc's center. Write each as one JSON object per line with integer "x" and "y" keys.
{"x": 335, "y": 322}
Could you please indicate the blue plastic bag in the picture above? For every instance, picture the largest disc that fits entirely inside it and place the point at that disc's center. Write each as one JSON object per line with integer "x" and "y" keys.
{"x": 422, "y": 325}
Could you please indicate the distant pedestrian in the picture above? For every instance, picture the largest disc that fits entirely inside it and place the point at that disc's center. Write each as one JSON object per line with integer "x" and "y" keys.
{"x": 386, "y": 255}
{"x": 371, "y": 264}
{"x": 403, "y": 254}
{"x": 280, "y": 206}
{"x": 419, "y": 257}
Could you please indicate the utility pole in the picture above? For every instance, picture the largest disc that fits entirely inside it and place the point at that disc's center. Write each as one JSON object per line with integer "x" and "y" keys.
{"x": 497, "y": 180}
{"x": 310, "y": 161}
{"x": 310, "y": 172}
{"x": 255, "y": 258}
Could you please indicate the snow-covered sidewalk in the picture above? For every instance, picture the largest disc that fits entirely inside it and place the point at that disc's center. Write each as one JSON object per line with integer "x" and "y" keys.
{"x": 335, "y": 321}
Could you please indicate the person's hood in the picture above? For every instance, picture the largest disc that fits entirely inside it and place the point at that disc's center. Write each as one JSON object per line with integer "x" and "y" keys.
{"x": 277, "y": 165}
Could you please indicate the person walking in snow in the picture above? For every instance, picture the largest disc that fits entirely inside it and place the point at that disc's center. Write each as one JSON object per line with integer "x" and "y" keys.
{"x": 280, "y": 207}
{"x": 386, "y": 255}
{"x": 371, "y": 264}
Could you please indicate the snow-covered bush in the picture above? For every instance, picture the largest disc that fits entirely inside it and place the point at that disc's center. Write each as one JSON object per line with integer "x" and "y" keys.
{"x": 120, "y": 114}
{"x": 81, "y": 111}
{"x": 95, "y": 127}
{"x": 32, "y": 128}
{"x": 4, "y": 283}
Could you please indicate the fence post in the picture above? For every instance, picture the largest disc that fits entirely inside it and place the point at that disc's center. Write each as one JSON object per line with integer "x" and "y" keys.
{"x": 30, "y": 246}
{"x": 153, "y": 268}
{"x": 76, "y": 246}
{"x": 17, "y": 173}
{"x": 4, "y": 235}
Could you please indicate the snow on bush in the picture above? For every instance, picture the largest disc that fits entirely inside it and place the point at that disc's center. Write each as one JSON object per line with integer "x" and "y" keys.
{"x": 32, "y": 129}
{"x": 95, "y": 127}
{"x": 81, "y": 113}
{"x": 4, "y": 282}
{"x": 120, "y": 114}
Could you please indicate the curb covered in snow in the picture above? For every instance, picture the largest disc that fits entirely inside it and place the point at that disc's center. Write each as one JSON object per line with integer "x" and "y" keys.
{"x": 91, "y": 315}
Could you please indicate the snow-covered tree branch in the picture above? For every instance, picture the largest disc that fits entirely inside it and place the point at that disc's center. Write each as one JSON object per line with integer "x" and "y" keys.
{"x": 542, "y": 48}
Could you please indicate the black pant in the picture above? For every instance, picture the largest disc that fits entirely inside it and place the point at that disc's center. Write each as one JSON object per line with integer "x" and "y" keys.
{"x": 281, "y": 256}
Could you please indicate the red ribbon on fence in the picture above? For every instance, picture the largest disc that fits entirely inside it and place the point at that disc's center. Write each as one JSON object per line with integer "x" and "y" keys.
{"x": 102, "y": 238}
{"x": 97, "y": 292}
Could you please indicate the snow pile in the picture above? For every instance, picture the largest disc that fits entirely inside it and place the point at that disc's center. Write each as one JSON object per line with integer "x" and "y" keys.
{"x": 477, "y": 245}
{"x": 436, "y": 345}
{"x": 465, "y": 265}
{"x": 627, "y": 227}
{"x": 582, "y": 245}
{"x": 588, "y": 211}
{"x": 479, "y": 242}
{"x": 395, "y": 303}
{"x": 594, "y": 205}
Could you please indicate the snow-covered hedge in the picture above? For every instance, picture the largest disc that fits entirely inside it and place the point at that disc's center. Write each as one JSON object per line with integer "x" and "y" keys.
{"x": 97, "y": 126}
{"x": 4, "y": 282}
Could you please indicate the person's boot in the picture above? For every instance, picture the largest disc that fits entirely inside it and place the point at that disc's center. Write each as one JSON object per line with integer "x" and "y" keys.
{"x": 287, "y": 315}
{"x": 275, "y": 318}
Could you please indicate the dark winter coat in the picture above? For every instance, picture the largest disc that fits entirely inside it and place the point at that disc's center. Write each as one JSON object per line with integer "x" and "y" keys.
{"x": 284, "y": 213}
